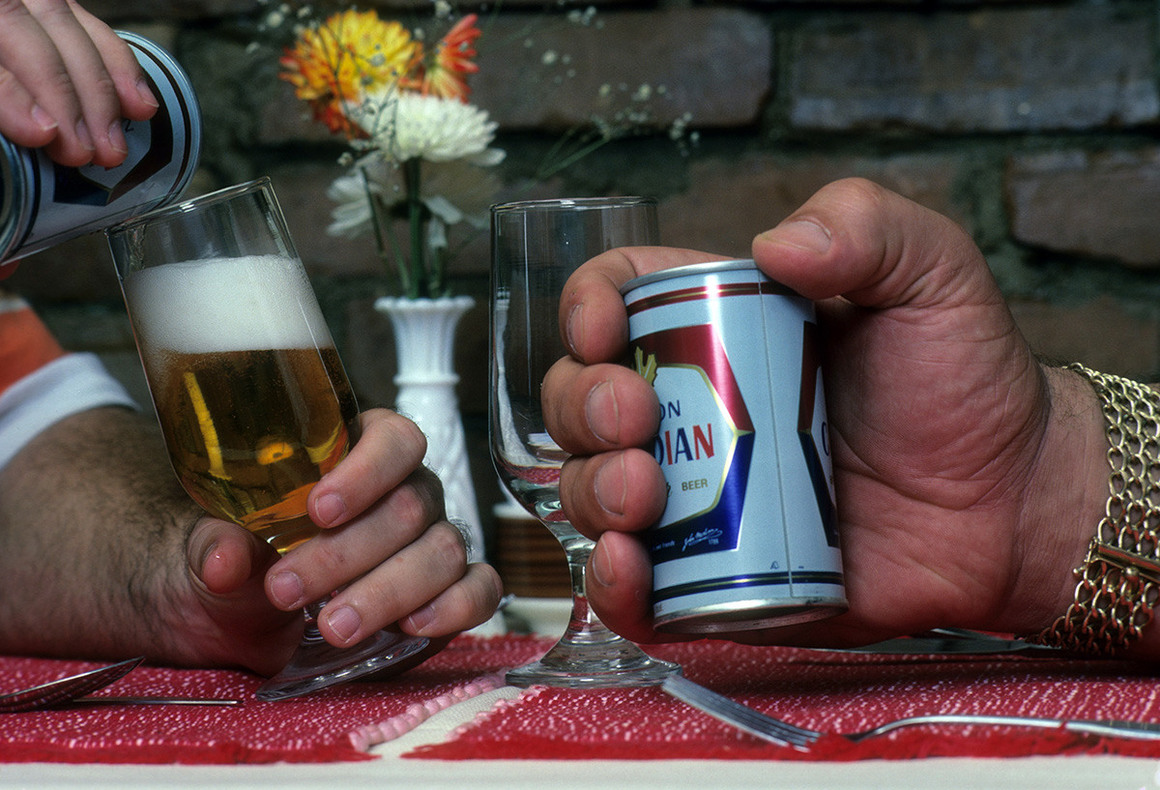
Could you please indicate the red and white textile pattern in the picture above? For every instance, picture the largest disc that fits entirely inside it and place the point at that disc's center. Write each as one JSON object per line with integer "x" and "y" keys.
{"x": 337, "y": 724}
{"x": 832, "y": 692}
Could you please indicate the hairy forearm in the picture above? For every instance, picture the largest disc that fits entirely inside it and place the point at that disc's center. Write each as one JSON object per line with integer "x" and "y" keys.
{"x": 92, "y": 522}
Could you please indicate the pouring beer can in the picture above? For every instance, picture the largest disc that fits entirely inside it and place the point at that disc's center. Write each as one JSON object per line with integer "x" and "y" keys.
{"x": 43, "y": 203}
{"x": 748, "y": 538}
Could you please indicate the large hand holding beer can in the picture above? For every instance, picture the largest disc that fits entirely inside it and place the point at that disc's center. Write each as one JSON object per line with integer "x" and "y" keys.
{"x": 748, "y": 538}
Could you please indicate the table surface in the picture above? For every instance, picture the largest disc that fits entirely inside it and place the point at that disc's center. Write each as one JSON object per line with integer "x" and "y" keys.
{"x": 1074, "y": 773}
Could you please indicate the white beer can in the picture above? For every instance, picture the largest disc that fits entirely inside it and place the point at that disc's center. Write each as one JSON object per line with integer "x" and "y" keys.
{"x": 43, "y": 203}
{"x": 748, "y": 538}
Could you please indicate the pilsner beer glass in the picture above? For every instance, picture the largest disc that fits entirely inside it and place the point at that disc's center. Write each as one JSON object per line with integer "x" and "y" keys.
{"x": 251, "y": 395}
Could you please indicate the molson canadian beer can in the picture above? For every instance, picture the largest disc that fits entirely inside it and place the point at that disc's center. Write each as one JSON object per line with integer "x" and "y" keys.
{"x": 42, "y": 203}
{"x": 748, "y": 538}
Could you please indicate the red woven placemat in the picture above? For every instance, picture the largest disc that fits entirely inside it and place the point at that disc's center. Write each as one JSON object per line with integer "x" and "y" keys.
{"x": 337, "y": 724}
{"x": 826, "y": 691}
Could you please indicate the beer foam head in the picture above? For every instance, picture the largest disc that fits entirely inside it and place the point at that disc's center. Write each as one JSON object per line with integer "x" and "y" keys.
{"x": 226, "y": 304}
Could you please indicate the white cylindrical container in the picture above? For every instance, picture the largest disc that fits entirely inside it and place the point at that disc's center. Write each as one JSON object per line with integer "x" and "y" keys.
{"x": 749, "y": 536}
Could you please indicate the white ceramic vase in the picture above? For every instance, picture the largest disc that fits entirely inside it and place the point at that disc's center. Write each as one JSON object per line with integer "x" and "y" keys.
{"x": 426, "y": 378}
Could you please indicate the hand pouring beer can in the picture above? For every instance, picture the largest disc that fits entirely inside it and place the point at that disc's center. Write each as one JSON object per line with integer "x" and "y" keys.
{"x": 748, "y": 538}
{"x": 43, "y": 203}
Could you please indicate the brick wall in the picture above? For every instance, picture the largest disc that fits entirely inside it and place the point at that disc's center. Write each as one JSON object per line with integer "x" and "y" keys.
{"x": 1033, "y": 124}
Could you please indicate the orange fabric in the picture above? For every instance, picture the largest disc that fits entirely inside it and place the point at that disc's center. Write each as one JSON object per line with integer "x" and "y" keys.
{"x": 25, "y": 344}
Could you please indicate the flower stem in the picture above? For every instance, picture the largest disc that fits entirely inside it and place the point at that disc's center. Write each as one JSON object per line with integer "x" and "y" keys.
{"x": 411, "y": 175}
{"x": 384, "y": 234}
{"x": 569, "y": 149}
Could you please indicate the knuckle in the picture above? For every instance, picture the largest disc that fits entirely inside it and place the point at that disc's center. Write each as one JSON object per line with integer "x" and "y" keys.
{"x": 491, "y": 586}
{"x": 414, "y": 505}
{"x": 447, "y": 542}
{"x": 474, "y": 599}
{"x": 411, "y": 441}
{"x": 103, "y": 88}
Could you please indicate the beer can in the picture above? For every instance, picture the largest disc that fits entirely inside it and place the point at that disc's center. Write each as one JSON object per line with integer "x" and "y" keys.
{"x": 748, "y": 538}
{"x": 43, "y": 203}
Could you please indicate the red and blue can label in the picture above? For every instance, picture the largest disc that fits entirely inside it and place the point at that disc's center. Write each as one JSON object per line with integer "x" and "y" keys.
{"x": 748, "y": 538}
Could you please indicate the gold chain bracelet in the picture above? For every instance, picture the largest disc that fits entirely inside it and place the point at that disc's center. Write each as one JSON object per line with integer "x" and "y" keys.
{"x": 1119, "y": 580}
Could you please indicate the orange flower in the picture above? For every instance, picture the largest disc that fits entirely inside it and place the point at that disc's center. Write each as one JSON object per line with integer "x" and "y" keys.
{"x": 333, "y": 64}
{"x": 446, "y": 68}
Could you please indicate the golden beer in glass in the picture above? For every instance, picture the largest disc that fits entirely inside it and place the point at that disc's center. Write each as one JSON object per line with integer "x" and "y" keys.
{"x": 251, "y": 395}
{"x": 253, "y": 401}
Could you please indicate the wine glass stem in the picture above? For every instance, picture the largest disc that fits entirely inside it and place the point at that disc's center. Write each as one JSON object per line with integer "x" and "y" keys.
{"x": 584, "y": 627}
{"x": 310, "y": 634}
{"x": 589, "y": 654}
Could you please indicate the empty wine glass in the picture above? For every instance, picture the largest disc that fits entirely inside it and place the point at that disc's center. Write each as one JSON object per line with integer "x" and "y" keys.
{"x": 252, "y": 398}
{"x": 536, "y": 245}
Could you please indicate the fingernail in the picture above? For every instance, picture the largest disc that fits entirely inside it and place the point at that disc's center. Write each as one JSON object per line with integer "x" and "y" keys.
{"x": 43, "y": 119}
{"x": 83, "y": 136}
{"x": 602, "y": 566}
{"x": 286, "y": 590}
{"x": 420, "y": 619}
{"x": 146, "y": 93}
{"x": 803, "y": 234}
{"x": 329, "y": 509}
{"x": 610, "y": 486}
{"x": 343, "y": 621}
{"x": 574, "y": 329}
{"x": 117, "y": 138}
{"x": 601, "y": 412}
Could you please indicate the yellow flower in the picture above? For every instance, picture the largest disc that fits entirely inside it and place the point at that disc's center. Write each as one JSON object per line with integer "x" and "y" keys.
{"x": 403, "y": 106}
{"x": 333, "y": 64}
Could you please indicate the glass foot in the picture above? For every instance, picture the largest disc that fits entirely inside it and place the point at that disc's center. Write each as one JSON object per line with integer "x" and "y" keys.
{"x": 616, "y": 663}
{"x": 317, "y": 664}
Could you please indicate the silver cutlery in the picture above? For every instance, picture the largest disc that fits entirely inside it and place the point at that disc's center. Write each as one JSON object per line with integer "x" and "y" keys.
{"x": 734, "y": 713}
{"x": 785, "y": 734}
{"x": 1112, "y": 728}
{"x": 73, "y": 690}
{"x": 948, "y": 641}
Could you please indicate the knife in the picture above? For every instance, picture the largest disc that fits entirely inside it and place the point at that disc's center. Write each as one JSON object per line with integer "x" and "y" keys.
{"x": 949, "y": 641}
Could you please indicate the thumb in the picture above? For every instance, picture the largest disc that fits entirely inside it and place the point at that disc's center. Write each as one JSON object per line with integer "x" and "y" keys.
{"x": 225, "y": 557}
{"x": 856, "y": 239}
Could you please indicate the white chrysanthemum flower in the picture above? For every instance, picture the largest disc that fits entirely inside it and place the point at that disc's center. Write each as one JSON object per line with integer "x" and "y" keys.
{"x": 413, "y": 126}
{"x": 351, "y": 216}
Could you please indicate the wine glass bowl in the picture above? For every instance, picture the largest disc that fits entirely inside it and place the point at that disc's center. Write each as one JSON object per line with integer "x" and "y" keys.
{"x": 536, "y": 245}
{"x": 252, "y": 398}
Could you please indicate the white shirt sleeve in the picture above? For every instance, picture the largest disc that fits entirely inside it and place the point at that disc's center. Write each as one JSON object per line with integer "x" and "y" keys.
{"x": 68, "y": 385}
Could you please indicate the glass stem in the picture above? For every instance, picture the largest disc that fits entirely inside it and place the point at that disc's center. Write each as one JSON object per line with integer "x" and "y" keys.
{"x": 311, "y": 635}
{"x": 589, "y": 654}
{"x": 584, "y": 627}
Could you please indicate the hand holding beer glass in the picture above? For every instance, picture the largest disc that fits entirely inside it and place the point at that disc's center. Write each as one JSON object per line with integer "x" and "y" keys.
{"x": 252, "y": 398}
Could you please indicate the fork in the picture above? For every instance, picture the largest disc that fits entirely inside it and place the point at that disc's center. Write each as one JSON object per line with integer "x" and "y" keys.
{"x": 785, "y": 734}
{"x": 740, "y": 716}
{"x": 1113, "y": 728}
{"x": 72, "y": 689}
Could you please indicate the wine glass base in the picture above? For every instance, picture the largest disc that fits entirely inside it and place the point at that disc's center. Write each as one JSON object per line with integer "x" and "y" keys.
{"x": 561, "y": 668}
{"x": 317, "y": 664}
